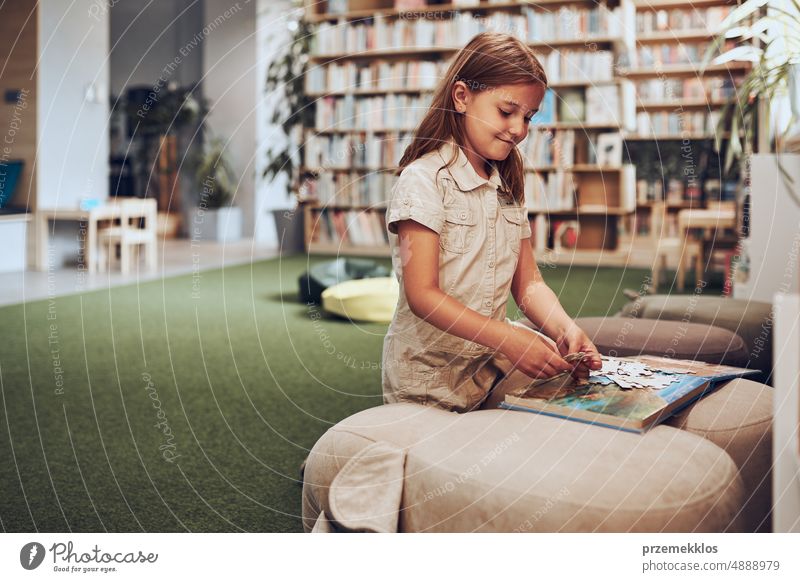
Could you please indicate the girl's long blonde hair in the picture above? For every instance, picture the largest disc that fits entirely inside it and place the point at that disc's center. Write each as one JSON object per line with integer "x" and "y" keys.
{"x": 489, "y": 60}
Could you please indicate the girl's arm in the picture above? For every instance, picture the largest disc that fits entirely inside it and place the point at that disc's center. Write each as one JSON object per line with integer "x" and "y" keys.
{"x": 539, "y": 304}
{"x": 419, "y": 255}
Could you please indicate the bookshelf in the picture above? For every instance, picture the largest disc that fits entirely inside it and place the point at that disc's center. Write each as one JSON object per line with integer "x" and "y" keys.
{"x": 679, "y": 104}
{"x": 374, "y": 66}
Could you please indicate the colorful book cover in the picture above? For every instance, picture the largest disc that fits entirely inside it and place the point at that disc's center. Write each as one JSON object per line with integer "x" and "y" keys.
{"x": 547, "y": 110}
{"x": 631, "y": 394}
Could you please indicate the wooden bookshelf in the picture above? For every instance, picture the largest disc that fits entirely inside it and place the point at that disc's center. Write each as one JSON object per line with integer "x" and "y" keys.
{"x": 684, "y": 35}
{"x": 687, "y": 70}
{"x": 371, "y": 54}
{"x": 406, "y": 52}
{"x": 664, "y": 4}
{"x": 682, "y": 104}
{"x": 679, "y": 105}
{"x": 603, "y": 198}
{"x": 691, "y": 136}
{"x": 317, "y": 11}
{"x": 416, "y": 90}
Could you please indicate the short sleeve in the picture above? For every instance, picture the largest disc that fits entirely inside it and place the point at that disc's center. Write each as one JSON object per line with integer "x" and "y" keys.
{"x": 526, "y": 225}
{"x": 416, "y": 197}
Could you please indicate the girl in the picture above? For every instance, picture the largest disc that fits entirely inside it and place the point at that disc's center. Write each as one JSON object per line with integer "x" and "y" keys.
{"x": 459, "y": 235}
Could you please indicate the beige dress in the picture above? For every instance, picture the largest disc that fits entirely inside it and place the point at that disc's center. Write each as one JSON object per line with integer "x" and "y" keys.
{"x": 479, "y": 237}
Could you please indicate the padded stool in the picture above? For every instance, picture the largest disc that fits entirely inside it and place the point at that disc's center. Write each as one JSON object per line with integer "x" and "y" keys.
{"x": 736, "y": 417}
{"x": 412, "y": 468}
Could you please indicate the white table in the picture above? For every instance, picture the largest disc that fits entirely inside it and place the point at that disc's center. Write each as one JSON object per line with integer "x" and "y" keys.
{"x": 137, "y": 207}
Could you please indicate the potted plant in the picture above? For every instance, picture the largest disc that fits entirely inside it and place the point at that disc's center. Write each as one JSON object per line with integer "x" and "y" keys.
{"x": 769, "y": 31}
{"x": 156, "y": 115}
{"x": 769, "y": 98}
{"x": 215, "y": 217}
{"x": 293, "y": 112}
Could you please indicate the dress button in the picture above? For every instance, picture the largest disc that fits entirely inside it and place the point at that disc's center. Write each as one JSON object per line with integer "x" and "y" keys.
{"x": 406, "y": 202}
{"x": 488, "y": 303}
{"x": 491, "y": 263}
{"x": 463, "y": 215}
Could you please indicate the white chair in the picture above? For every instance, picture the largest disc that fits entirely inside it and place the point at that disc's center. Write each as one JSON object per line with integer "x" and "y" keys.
{"x": 137, "y": 227}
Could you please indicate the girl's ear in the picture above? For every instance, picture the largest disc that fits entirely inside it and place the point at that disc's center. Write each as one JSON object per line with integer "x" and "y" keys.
{"x": 460, "y": 96}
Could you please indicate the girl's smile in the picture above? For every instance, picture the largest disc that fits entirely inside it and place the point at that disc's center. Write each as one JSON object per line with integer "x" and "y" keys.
{"x": 495, "y": 120}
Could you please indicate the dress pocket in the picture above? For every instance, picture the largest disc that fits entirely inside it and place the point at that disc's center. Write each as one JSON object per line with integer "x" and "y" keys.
{"x": 432, "y": 385}
{"x": 458, "y": 230}
{"x": 513, "y": 217}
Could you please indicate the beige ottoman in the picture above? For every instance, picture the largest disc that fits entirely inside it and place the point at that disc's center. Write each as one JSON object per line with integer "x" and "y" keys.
{"x": 411, "y": 468}
{"x": 737, "y": 417}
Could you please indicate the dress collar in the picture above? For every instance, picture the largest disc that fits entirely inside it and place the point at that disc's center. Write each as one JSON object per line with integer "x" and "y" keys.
{"x": 462, "y": 171}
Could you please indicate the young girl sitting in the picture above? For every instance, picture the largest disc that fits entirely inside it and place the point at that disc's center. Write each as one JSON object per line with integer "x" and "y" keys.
{"x": 460, "y": 241}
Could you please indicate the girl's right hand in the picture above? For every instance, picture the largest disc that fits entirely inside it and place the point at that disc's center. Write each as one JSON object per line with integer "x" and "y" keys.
{"x": 533, "y": 354}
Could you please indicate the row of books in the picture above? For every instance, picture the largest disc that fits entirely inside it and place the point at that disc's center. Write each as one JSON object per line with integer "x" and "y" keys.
{"x": 548, "y": 148}
{"x": 670, "y": 54}
{"x": 383, "y": 34}
{"x": 569, "y": 22}
{"x": 674, "y": 123}
{"x": 578, "y": 65}
{"x": 383, "y": 112}
{"x": 349, "y": 188}
{"x": 692, "y": 88}
{"x": 377, "y": 75}
{"x": 611, "y": 104}
{"x": 349, "y": 228}
{"x": 353, "y": 151}
{"x": 675, "y": 191}
{"x": 558, "y": 148}
{"x": 678, "y": 19}
{"x": 678, "y": 191}
{"x": 597, "y": 104}
{"x": 532, "y": 24}
{"x": 369, "y": 152}
{"x": 650, "y": 55}
{"x": 550, "y": 192}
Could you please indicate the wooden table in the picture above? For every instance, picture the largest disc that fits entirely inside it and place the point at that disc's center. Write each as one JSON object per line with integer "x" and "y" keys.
{"x": 708, "y": 219}
{"x": 137, "y": 207}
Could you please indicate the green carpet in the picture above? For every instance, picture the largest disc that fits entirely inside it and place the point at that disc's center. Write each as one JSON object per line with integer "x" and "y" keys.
{"x": 188, "y": 404}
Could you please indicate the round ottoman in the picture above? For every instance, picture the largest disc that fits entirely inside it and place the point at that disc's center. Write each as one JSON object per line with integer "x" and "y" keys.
{"x": 737, "y": 417}
{"x": 412, "y": 468}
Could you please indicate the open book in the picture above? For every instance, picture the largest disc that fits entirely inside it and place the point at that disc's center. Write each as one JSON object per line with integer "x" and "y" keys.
{"x": 630, "y": 394}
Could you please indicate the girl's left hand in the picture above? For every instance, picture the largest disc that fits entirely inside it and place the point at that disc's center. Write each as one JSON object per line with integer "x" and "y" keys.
{"x": 574, "y": 339}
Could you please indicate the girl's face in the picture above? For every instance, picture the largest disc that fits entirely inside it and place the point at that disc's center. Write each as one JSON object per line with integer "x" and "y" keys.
{"x": 496, "y": 119}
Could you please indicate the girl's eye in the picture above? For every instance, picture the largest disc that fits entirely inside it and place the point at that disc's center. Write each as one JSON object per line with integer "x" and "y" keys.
{"x": 505, "y": 113}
